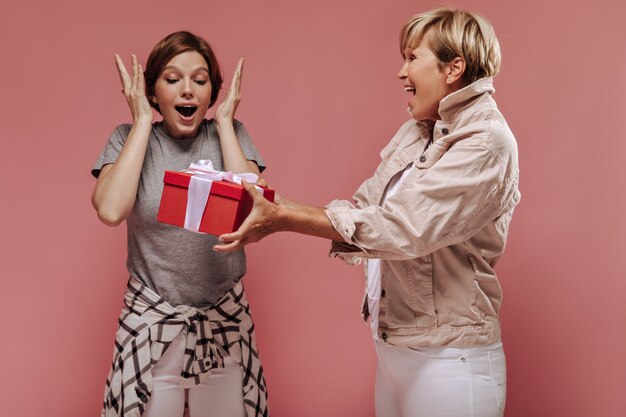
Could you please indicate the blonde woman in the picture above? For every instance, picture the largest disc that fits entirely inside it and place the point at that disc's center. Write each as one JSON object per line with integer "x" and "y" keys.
{"x": 431, "y": 223}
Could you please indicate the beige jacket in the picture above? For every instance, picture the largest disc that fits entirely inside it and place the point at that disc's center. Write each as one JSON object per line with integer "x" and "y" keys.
{"x": 441, "y": 234}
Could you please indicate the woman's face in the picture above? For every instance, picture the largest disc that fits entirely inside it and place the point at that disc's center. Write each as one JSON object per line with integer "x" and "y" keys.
{"x": 425, "y": 79}
{"x": 183, "y": 93}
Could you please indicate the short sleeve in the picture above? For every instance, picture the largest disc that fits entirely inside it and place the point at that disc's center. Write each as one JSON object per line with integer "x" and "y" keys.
{"x": 248, "y": 148}
{"x": 112, "y": 149}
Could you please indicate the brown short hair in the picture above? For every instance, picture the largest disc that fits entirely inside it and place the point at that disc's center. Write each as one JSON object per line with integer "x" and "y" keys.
{"x": 456, "y": 33}
{"x": 175, "y": 44}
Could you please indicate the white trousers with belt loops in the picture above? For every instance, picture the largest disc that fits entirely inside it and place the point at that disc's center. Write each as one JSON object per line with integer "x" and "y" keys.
{"x": 440, "y": 381}
{"x": 220, "y": 395}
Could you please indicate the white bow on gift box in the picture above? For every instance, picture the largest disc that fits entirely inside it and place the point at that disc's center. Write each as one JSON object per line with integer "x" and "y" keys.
{"x": 200, "y": 187}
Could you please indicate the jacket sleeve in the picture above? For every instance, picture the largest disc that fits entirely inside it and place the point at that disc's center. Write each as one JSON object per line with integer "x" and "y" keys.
{"x": 340, "y": 205}
{"x": 447, "y": 204}
{"x": 362, "y": 198}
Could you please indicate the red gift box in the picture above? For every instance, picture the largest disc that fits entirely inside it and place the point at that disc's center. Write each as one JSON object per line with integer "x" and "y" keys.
{"x": 227, "y": 207}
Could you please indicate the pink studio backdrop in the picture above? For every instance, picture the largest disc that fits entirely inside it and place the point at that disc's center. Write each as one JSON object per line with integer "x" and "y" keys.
{"x": 321, "y": 99}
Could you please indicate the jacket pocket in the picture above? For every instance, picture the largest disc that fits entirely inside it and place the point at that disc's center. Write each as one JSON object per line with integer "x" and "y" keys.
{"x": 407, "y": 300}
{"x": 420, "y": 277}
{"x": 487, "y": 291}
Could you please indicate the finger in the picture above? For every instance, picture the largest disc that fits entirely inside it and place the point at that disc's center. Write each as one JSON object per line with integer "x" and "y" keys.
{"x": 235, "y": 84}
{"x": 261, "y": 182}
{"x": 142, "y": 81}
{"x": 230, "y": 237}
{"x": 254, "y": 193}
{"x": 239, "y": 75}
{"x": 121, "y": 71}
{"x": 135, "y": 73}
{"x": 230, "y": 247}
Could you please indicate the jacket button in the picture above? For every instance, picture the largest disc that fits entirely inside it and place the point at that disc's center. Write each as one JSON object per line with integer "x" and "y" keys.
{"x": 383, "y": 293}
{"x": 422, "y": 158}
{"x": 445, "y": 131}
{"x": 384, "y": 336}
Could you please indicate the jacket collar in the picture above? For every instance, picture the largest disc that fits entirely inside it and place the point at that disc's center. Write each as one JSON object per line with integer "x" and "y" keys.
{"x": 451, "y": 104}
{"x": 449, "y": 108}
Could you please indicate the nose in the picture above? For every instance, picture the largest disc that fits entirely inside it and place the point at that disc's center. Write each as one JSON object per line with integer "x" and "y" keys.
{"x": 402, "y": 73}
{"x": 187, "y": 91}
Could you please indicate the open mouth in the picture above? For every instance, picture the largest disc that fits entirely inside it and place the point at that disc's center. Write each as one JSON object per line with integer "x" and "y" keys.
{"x": 186, "y": 111}
{"x": 410, "y": 90}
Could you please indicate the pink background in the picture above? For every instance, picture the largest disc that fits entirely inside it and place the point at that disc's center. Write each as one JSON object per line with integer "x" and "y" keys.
{"x": 321, "y": 99}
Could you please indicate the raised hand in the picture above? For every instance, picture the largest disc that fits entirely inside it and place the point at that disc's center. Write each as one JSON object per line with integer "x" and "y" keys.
{"x": 225, "y": 112}
{"x": 133, "y": 88}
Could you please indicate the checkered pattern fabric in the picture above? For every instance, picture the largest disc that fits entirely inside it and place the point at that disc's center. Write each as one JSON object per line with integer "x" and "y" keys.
{"x": 147, "y": 326}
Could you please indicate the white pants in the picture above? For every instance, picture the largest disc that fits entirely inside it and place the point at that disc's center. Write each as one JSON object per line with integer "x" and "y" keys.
{"x": 440, "y": 381}
{"x": 221, "y": 395}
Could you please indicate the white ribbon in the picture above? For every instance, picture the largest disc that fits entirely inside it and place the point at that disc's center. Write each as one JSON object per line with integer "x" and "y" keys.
{"x": 200, "y": 187}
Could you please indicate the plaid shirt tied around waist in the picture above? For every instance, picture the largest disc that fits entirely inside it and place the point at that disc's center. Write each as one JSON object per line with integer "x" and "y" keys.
{"x": 147, "y": 326}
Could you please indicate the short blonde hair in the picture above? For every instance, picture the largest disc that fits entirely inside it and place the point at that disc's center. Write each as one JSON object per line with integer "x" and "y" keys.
{"x": 456, "y": 33}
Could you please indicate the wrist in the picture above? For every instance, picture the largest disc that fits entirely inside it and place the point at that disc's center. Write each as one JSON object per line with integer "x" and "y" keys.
{"x": 223, "y": 121}
{"x": 226, "y": 131}
{"x": 143, "y": 121}
{"x": 284, "y": 217}
{"x": 224, "y": 126}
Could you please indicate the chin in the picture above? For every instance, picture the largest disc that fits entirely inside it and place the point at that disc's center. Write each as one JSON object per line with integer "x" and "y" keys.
{"x": 422, "y": 117}
{"x": 417, "y": 117}
{"x": 189, "y": 131}
{"x": 185, "y": 131}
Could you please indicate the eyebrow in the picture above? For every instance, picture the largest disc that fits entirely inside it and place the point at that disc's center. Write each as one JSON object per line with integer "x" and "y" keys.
{"x": 171, "y": 67}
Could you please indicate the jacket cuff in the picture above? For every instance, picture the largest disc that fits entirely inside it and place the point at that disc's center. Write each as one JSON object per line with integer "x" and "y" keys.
{"x": 342, "y": 222}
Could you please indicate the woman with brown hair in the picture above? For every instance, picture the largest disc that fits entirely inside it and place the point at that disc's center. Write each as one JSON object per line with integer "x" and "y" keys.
{"x": 185, "y": 334}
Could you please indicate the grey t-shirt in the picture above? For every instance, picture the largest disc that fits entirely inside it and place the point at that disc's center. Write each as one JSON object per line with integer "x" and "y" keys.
{"x": 179, "y": 265}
